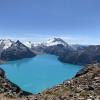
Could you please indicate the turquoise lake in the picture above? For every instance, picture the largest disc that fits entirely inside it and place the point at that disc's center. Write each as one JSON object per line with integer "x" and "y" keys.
{"x": 39, "y": 73}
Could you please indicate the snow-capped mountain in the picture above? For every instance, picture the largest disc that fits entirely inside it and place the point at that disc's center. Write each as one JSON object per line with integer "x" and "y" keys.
{"x": 55, "y": 41}
{"x": 5, "y": 43}
{"x": 15, "y": 51}
{"x": 28, "y": 44}
{"x": 54, "y": 46}
{"x": 76, "y": 54}
{"x": 50, "y": 42}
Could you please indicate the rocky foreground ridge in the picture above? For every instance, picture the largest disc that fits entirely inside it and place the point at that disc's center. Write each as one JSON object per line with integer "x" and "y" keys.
{"x": 84, "y": 86}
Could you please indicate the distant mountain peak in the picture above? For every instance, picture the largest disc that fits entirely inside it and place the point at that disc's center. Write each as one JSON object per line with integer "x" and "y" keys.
{"x": 6, "y": 43}
{"x": 49, "y": 42}
{"x": 55, "y": 41}
{"x": 28, "y": 44}
{"x": 17, "y": 51}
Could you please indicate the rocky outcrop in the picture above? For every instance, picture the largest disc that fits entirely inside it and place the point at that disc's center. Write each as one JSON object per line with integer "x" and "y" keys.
{"x": 16, "y": 51}
{"x": 85, "y": 86}
{"x": 8, "y": 88}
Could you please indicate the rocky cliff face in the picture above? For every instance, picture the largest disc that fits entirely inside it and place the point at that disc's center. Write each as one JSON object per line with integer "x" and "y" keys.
{"x": 88, "y": 55}
{"x": 85, "y": 86}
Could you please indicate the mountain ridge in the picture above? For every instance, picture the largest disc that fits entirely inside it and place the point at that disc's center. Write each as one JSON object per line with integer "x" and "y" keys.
{"x": 74, "y": 54}
{"x": 16, "y": 51}
{"x": 84, "y": 86}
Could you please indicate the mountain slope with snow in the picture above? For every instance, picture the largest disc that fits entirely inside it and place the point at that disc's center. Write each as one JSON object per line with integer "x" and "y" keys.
{"x": 55, "y": 41}
{"x": 17, "y": 51}
{"x": 5, "y": 43}
{"x": 75, "y": 54}
{"x": 28, "y": 44}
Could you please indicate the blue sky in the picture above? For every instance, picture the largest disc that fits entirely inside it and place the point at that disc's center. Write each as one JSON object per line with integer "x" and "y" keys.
{"x": 76, "y": 21}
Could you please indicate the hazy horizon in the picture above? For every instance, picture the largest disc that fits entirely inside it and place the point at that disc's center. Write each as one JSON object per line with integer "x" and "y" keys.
{"x": 75, "y": 21}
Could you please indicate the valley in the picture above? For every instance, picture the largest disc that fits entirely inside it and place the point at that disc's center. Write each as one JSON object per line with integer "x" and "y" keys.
{"x": 74, "y": 54}
{"x": 79, "y": 55}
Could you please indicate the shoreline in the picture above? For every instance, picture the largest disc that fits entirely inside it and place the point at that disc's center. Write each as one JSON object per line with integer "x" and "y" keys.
{"x": 50, "y": 92}
{"x": 25, "y": 94}
{"x": 3, "y": 62}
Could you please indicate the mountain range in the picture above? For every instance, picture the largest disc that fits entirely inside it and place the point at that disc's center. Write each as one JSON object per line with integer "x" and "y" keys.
{"x": 74, "y": 54}
{"x": 10, "y": 50}
{"x": 84, "y": 86}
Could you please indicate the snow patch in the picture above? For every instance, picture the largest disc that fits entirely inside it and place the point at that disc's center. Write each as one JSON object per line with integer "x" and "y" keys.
{"x": 28, "y": 44}
{"x": 55, "y": 41}
{"x": 6, "y": 43}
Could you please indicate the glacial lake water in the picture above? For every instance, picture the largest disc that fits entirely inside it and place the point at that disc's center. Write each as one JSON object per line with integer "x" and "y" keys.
{"x": 39, "y": 73}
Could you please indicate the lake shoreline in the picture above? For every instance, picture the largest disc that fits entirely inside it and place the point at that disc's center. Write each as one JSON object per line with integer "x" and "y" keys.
{"x": 73, "y": 89}
{"x": 10, "y": 89}
{"x": 40, "y": 64}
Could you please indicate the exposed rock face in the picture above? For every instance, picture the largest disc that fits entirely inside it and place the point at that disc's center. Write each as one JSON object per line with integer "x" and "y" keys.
{"x": 2, "y": 73}
{"x": 16, "y": 51}
{"x": 8, "y": 88}
{"x": 85, "y": 86}
{"x": 57, "y": 49}
{"x": 88, "y": 55}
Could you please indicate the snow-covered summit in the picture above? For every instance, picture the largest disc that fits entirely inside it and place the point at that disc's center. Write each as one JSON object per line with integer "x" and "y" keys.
{"x": 28, "y": 44}
{"x": 50, "y": 42}
{"x": 5, "y": 43}
{"x": 55, "y": 41}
